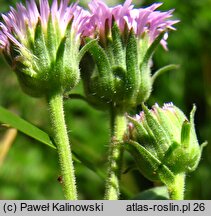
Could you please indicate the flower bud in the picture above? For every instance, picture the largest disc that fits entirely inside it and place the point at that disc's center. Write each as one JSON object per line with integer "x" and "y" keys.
{"x": 117, "y": 72}
{"x": 41, "y": 43}
{"x": 163, "y": 142}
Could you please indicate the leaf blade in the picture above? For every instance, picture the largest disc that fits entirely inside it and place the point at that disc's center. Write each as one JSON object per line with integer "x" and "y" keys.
{"x": 25, "y": 127}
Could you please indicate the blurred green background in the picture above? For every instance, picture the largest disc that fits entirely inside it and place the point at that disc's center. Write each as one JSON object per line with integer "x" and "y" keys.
{"x": 30, "y": 169}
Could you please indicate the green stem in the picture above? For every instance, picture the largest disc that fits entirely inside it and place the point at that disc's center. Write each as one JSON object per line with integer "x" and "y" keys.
{"x": 176, "y": 188}
{"x": 118, "y": 126}
{"x": 63, "y": 146}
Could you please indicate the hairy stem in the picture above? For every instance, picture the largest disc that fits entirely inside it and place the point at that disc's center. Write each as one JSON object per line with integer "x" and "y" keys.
{"x": 63, "y": 146}
{"x": 118, "y": 126}
{"x": 176, "y": 189}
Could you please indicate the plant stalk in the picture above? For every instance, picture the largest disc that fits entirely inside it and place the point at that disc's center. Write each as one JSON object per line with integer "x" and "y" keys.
{"x": 176, "y": 188}
{"x": 118, "y": 127}
{"x": 63, "y": 146}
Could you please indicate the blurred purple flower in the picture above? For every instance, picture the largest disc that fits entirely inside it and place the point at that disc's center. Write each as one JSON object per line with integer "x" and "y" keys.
{"x": 143, "y": 20}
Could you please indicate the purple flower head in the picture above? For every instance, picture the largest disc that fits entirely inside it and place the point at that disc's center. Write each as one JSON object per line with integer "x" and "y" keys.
{"x": 168, "y": 116}
{"x": 20, "y": 23}
{"x": 143, "y": 21}
{"x": 42, "y": 42}
{"x": 166, "y": 134}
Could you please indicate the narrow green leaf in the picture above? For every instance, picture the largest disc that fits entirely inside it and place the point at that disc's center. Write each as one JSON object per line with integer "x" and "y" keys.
{"x": 101, "y": 60}
{"x": 133, "y": 76}
{"x": 152, "y": 48}
{"x": 104, "y": 79}
{"x": 86, "y": 49}
{"x": 60, "y": 54}
{"x": 204, "y": 144}
{"x": 162, "y": 138}
{"x": 51, "y": 40}
{"x": 169, "y": 122}
{"x": 185, "y": 134}
{"x": 191, "y": 169}
{"x": 25, "y": 127}
{"x": 138, "y": 126}
{"x": 117, "y": 46}
{"x": 138, "y": 151}
{"x": 145, "y": 137}
{"x": 71, "y": 49}
{"x": 163, "y": 70}
{"x": 145, "y": 86}
{"x": 174, "y": 146}
{"x": 7, "y": 117}
{"x": 40, "y": 49}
